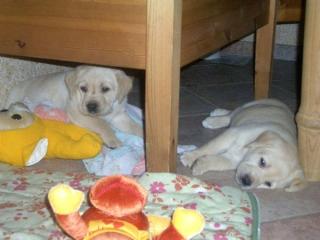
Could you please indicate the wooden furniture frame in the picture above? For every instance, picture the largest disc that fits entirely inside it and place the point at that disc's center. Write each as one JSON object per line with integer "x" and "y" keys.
{"x": 159, "y": 36}
{"x": 308, "y": 117}
{"x": 290, "y": 11}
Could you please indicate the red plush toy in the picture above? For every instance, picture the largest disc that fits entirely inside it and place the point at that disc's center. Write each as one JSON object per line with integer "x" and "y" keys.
{"x": 116, "y": 213}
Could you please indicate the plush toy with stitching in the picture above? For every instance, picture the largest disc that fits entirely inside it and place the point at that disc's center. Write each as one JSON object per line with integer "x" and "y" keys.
{"x": 25, "y": 139}
{"x": 117, "y": 213}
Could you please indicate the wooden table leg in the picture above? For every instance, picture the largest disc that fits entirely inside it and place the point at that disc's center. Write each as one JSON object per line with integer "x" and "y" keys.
{"x": 264, "y": 54}
{"x": 308, "y": 117}
{"x": 162, "y": 83}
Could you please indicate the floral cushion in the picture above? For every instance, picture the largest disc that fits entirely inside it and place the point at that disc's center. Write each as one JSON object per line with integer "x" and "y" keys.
{"x": 23, "y": 203}
{"x": 229, "y": 212}
{"x": 24, "y": 212}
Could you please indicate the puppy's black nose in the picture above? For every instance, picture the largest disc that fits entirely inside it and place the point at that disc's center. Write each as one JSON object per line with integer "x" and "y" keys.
{"x": 92, "y": 107}
{"x": 246, "y": 180}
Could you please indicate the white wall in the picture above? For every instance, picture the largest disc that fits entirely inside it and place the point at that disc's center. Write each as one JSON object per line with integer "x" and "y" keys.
{"x": 288, "y": 43}
{"x": 13, "y": 71}
{"x": 286, "y": 34}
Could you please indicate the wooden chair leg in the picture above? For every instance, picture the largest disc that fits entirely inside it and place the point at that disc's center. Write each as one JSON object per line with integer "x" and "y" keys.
{"x": 264, "y": 54}
{"x": 162, "y": 83}
{"x": 308, "y": 117}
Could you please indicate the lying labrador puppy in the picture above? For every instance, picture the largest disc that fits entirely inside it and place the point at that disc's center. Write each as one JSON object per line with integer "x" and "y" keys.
{"x": 93, "y": 97}
{"x": 260, "y": 144}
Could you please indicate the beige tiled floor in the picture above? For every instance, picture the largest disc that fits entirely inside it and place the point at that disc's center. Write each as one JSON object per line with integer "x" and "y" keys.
{"x": 206, "y": 85}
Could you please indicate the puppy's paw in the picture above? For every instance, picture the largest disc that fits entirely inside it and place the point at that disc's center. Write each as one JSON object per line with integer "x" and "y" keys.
{"x": 216, "y": 122}
{"x": 219, "y": 112}
{"x": 199, "y": 168}
{"x": 188, "y": 158}
{"x": 206, "y": 123}
{"x": 110, "y": 140}
{"x": 114, "y": 143}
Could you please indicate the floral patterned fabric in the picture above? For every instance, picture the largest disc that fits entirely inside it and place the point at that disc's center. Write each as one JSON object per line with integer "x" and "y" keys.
{"x": 24, "y": 211}
{"x": 229, "y": 212}
{"x": 25, "y": 215}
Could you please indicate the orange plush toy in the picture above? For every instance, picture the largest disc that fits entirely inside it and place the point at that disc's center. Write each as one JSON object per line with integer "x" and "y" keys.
{"x": 116, "y": 213}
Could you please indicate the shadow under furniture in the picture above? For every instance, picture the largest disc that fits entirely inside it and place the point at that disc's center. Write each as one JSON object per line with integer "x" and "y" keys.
{"x": 159, "y": 36}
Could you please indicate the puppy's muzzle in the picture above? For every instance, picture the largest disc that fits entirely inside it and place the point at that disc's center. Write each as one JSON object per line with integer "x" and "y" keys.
{"x": 93, "y": 107}
{"x": 245, "y": 180}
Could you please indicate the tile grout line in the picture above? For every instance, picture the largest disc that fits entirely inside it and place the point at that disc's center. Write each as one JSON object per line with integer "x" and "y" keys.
{"x": 220, "y": 84}
{"x": 201, "y": 97}
{"x": 290, "y": 218}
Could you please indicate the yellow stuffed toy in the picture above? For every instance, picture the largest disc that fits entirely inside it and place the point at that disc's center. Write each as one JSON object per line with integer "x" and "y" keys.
{"x": 25, "y": 139}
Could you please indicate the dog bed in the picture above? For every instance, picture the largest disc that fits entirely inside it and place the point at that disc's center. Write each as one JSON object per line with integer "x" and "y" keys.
{"x": 230, "y": 213}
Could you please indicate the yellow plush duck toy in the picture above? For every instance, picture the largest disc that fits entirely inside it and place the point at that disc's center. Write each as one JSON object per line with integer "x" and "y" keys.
{"x": 26, "y": 139}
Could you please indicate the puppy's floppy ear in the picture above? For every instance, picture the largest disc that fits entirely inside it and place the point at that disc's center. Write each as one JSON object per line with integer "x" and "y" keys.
{"x": 297, "y": 183}
{"x": 72, "y": 76}
{"x": 70, "y": 81}
{"x": 124, "y": 85}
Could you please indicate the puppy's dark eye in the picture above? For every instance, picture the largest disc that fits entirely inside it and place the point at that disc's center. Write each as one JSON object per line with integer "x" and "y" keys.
{"x": 16, "y": 116}
{"x": 268, "y": 184}
{"x": 105, "y": 89}
{"x": 262, "y": 163}
{"x": 84, "y": 89}
{"x": 4, "y": 110}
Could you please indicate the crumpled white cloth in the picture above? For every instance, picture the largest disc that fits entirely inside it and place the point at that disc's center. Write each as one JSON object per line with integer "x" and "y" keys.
{"x": 128, "y": 159}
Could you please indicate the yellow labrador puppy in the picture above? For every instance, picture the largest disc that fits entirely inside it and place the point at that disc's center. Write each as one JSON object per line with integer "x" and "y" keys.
{"x": 93, "y": 97}
{"x": 260, "y": 144}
